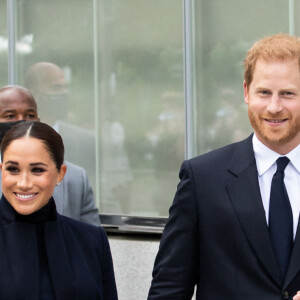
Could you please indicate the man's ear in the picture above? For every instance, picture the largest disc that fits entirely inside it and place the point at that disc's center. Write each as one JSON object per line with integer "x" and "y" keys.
{"x": 1, "y": 167}
{"x": 246, "y": 92}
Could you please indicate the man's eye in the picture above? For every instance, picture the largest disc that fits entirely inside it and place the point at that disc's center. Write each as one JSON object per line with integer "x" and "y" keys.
{"x": 9, "y": 117}
{"x": 12, "y": 169}
{"x": 263, "y": 92}
{"x": 31, "y": 117}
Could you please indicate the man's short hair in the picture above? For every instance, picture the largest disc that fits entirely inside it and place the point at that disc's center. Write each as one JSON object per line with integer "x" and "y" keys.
{"x": 279, "y": 47}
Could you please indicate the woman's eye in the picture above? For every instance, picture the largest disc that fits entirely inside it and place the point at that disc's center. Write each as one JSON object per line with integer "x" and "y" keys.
{"x": 38, "y": 170}
{"x": 12, "y": 169}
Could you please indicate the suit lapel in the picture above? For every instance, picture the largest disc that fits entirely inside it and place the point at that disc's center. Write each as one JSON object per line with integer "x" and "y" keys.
{"x": 245, "y": 195}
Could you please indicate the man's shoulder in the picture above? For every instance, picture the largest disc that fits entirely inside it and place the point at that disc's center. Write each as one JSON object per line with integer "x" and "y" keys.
{"x": 75, "y": 173}
{"x": 74, "y": 180}
{"x": 74, "y": 168}
{"x": 222, "y": 155}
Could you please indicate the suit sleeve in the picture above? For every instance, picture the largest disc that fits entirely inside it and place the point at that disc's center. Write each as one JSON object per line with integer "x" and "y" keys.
{"x": 176, "y": 266}
{"x": 89, "y": 212}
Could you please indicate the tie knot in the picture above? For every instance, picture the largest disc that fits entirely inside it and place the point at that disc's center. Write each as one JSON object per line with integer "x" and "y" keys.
{"x": 282, "y": 162}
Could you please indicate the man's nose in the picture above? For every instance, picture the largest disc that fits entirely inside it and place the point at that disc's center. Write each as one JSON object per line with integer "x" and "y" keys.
{"x": 20, "y": 118}
{"x": 275, "y": 104}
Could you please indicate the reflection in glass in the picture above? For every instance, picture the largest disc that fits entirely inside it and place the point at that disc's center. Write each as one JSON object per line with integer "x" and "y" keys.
{"x": 122, "y": 119}
{"x": 140, "y": 47}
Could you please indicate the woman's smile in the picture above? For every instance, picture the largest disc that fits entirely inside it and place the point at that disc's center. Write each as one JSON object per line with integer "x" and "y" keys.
{"x": 25, "y": 197}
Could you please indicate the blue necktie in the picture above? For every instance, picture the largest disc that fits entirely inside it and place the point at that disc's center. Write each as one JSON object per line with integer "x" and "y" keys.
{"x": 281, "y": 218}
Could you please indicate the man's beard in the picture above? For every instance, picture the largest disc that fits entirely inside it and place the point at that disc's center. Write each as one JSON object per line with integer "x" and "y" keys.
{"x": 275, "y": 136}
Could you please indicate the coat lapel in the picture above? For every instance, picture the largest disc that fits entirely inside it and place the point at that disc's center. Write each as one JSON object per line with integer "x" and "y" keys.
{"x": 245, "y": 195}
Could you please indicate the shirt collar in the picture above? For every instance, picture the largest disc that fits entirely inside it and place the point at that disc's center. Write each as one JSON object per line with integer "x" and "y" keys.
{"x": 265, "y": 157}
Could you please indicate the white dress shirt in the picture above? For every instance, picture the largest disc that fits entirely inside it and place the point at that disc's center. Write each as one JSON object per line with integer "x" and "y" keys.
{"x": 266, "y": 166}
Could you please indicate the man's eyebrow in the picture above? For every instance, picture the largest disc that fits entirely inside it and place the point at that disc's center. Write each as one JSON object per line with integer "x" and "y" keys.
{"x": 9, "y": 110}
{"x": 289, "y": 89}
{"x": 14, "y": 110}
{"x": 262, "y": 87}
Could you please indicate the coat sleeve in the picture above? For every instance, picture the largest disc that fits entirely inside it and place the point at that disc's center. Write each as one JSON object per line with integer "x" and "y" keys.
{"x": 89, "y": 212}
{"x": 109, "y": 283}
{"x": 176, "y": 266}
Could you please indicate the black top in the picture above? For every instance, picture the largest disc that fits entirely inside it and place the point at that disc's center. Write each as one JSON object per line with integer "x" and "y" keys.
{"x": 38, "y": 218}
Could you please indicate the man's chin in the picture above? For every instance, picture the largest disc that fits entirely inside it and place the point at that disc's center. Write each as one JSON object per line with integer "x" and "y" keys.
{"x": 275, "y": 139}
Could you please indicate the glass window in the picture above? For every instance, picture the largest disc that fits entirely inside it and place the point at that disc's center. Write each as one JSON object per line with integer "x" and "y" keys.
{"x": 223, "y": 35}
{"x": 108, "y": 75}
{"x": 142, "y": 105}
{"x": 58, "y": 68}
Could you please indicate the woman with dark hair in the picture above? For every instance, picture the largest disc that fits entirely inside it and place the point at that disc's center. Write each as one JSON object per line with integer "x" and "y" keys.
{"x": 44, "y": 255}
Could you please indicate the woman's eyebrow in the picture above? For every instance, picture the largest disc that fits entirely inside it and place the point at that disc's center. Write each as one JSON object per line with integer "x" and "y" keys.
{"x": 37, "y": 164}
{"x": 11, "y": 162}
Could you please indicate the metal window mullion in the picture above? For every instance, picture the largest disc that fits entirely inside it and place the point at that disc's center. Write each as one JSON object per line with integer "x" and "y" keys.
{"x": 189, "y": 86}
{"x": 11, "y": 21}
{"x": 291, "y": 17}
{"x": 96, "y": 101}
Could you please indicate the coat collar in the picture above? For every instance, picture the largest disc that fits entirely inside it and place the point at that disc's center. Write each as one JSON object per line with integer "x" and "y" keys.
{"x": 8, "y": 214}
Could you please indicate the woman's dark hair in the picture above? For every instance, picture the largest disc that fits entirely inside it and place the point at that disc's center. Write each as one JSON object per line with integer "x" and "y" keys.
{"x": 41, "y": 131}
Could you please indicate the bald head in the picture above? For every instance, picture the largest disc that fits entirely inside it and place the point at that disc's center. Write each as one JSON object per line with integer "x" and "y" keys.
{"x": 49, "y": 87}
{"x": 47, "y": 78}
{"x": 17, "y": 103}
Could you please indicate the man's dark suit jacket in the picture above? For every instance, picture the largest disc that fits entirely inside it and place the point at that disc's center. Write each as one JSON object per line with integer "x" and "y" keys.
{"x": 217, "y": 236}
{"x": 78, "y": 254}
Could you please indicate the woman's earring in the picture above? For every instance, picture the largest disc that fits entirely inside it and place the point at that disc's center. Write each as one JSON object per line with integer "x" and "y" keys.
{"x": 58, "y": 183}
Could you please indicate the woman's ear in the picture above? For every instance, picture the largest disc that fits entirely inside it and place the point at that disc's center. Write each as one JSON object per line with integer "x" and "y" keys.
{"x": 61, "y": 173}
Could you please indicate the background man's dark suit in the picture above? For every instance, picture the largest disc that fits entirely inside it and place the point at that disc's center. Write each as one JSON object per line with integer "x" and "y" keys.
{"x": 217, "y": 236}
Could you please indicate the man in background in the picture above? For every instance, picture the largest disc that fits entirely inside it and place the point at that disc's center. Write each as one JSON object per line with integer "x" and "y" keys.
{"x": 74, "y": 197}
{"x": 49, "y": 86}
